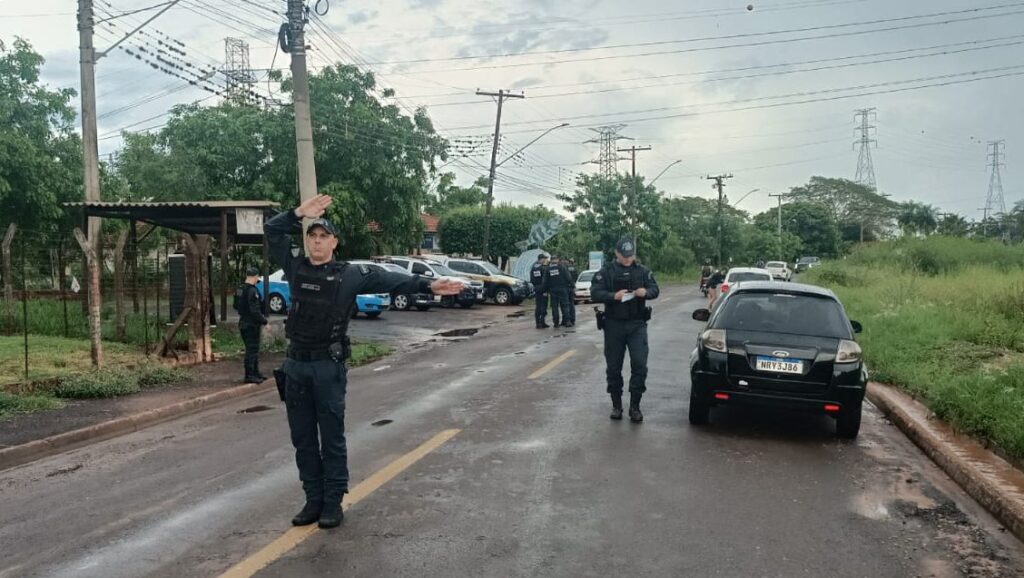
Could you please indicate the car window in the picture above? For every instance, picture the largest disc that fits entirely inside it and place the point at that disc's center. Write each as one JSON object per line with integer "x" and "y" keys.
{"x": 783, "y": 313}
{"x": 442, "y": 270}
{"x": 741, "y": 277}
{"x": 419, "y": 268}
{"x": 775, "y": 264}
{"x": 586, "y": 276}
{"x": 394, "y": 268}
{"x": 459, "y": 266}
{"x": 491, "y": 268}
{"x": 401, "y": 263}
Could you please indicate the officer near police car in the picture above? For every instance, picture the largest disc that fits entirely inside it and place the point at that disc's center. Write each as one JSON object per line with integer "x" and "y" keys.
{"x": 250, "y": 323}
{"x": 624, "y": 287}
{"x": 323, "y": 295}
{"x": 539, "y": 279}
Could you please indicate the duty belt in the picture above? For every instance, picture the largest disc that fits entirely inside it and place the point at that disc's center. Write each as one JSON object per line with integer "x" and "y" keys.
{"x": 316, "y": 355}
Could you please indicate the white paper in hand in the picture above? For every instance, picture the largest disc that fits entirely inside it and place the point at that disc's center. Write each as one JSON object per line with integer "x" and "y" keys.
{"x": 629, "y": 296}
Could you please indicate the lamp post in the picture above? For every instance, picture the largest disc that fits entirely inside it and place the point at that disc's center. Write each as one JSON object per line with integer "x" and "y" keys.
{"x": 665, "y": 170}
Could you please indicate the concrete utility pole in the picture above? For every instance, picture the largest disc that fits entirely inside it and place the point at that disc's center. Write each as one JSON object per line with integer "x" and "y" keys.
{"x": 300, "y": 100}
{"x": 719, "y": 185}
{"x": 635, "y": 201}
{"x": 780, "y": 195}
{"x": 501, "y": 95}
{"x": 91, "y": 164}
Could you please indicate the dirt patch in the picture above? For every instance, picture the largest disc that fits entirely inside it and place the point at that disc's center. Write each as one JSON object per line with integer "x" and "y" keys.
{"x": 458, "y": 332}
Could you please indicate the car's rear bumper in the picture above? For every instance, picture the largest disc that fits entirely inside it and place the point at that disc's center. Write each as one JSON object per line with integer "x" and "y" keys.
{"x": 714, "y": 389}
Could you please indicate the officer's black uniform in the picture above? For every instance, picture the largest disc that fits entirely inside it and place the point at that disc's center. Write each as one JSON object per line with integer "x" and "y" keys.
{"x": 573, "y": 276}
{"x": 625, "y": 326}
{"x": 539, "y": 278}
{"x": 322, "y": 300}
{"x": 559, "y": 286}
{"x": 250, "y": 320}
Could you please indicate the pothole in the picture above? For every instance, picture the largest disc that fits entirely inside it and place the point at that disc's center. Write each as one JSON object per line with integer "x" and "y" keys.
{"x": 381, "y": 422}
{"x": 516, "y": 314}
{"x": 255, "y": 409}
{"x": 458, "y": 332}
{"x": 64, "y": 471}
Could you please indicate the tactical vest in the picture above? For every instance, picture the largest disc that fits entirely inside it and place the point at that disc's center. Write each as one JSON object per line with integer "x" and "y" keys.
{"x": 317, "y": 317}
{"x": 241, "y": 304}
{"x": 630, "y": 279}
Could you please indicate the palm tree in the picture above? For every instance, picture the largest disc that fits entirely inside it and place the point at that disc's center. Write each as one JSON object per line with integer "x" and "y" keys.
{"x": 917, "y": 218}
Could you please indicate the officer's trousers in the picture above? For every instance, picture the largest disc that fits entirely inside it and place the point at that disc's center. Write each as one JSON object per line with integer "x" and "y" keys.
{"x": 251, "y": 337}
{"x": 560, "y": 305}
{"x": 315, "y": 393}
{"x": 620, "y": 335}
{"x": 540, "y": 309}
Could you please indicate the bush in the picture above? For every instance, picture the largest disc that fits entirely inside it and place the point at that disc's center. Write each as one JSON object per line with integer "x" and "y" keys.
{"x": 98, "y": 384}
{"x": 11, "y": 404}
{"x": 160, "y": 375}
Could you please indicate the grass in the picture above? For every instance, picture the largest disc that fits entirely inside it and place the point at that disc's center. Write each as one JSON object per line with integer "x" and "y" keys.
{"x": 943, "y": 320}
{"x": 11, "y": 404}
{"x": 57, "y": 356}
{"x": 368, "y": 352}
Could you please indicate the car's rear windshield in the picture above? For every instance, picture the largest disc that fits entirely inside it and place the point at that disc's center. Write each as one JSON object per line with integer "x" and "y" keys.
{"x": 808, "y": 260}
{"x": 775, "y": 265}
{"x": 783, "y": 313}
{"x": 586, "y": 276}
{"x": 490, "y": 267}
{"x": 741, "y": 277}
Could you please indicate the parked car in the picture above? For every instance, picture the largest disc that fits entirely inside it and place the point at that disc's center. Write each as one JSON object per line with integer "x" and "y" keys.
{"x": 280, "y": 298}
{"x": 499, "y": 287}
{"x": 582, "y": 291}
{"x": 806, "y": 263}
{"x": 403, "y": 301}
{"x": 469, "y": 296}
{"x": 738, "y": 275}
{"x": 779, "y": 345}
{"x": 779, "y": 270}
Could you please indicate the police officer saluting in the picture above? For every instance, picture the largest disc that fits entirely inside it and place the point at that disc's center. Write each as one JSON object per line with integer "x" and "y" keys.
{"x": 625, "y": 286}
{"x": 250, "y": 321}
{"x": 323, "y": 294}
{"x": 539, "y": 278}
{"x": 559, "y": 288}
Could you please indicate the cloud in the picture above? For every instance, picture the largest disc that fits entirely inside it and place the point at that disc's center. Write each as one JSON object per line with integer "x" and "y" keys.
{"x": 428, "y": 4}
{"x": 362, "y": 16}
{"x": 526, "y": 83}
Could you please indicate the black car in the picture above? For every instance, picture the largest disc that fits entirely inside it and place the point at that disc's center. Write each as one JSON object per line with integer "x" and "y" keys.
{"x": 779, "y": 345}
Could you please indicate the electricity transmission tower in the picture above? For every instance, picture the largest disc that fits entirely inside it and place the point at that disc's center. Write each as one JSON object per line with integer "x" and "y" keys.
{"x": 995, "y": 205}
{"x": 608, "y": 158}
{"x": 865, "y": 167}
{"x": 236, "y": 68}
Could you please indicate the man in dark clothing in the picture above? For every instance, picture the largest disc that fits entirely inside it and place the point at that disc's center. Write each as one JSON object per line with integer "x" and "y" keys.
{"x": 250, "y": 322}
{"x": 539, "y": 278}
{"x": 323, "y": 295}
{"x": 559, "y": 288}
{"x": 570, "y": 266}
{"x": 716, "y": 279}
{"x": 624, "y": 286}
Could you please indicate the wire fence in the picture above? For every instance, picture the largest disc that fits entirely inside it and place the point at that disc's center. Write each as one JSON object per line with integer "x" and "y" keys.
{"x": 44, "y": 298}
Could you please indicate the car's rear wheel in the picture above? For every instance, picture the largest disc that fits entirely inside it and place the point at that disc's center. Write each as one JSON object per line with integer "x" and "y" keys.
{"x": 276, "y": 303}
{"x": 502, "y": 296}
{"x": 848, "y": 421}
{"x": 401, "y": 302}
{"x": 700, "y": 411}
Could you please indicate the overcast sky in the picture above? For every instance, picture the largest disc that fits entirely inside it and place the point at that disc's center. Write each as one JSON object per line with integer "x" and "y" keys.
{"x": 669, "y": 71}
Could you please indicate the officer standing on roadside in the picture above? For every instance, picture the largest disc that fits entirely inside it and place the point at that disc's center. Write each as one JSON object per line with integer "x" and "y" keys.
{"x": 625, "y": 286}
{"x": 250, "y": 321}
{"x": 559, "y": 289}
{"x": 570, "y": 267}
{"x": 539, "y": 278}
{"x": 323, "y": 295}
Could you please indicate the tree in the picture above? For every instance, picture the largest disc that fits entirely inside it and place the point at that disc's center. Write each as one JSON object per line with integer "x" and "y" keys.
{"x": 859, "y": 211}
{"x": 917, "y": 219}
{"x": 40, "y": 154}
{"x": 952, "y": 225}
{"x": 462, "y": 229}
{"x": 811, "y": 222}
{"x": 609, "y": 209}
{"x": 695, "y": 221}
{"x": 448, "y": 195}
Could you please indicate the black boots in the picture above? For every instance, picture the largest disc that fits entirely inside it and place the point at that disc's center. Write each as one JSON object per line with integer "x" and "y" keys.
{"x": 310, "y": 513}
{"x": 634, "y": 408}
{"x": 616, "y": 407}
{"x": 331, "y": 516}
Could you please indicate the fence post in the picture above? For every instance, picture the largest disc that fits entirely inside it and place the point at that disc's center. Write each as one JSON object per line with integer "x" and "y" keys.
{"x": 8, "y": 281}
{"x": 119, "y": 312}
{"x": 62, "y": 279}
{"x": 145, "y": 305}
{"x": 24, "y": 302}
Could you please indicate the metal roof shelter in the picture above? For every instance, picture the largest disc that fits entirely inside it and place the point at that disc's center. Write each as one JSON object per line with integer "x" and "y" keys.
{"x": 212, "y": 218}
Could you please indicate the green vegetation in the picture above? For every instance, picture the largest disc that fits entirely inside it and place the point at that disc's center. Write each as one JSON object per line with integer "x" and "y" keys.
{"x": 57, "y": 357}
{"x": 944, "y": 320}
{"x": 363, "y": 353}
{"x": 11, "y": 404}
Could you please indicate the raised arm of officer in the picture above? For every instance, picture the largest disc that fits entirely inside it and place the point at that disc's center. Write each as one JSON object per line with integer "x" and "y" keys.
{"x": 280, "y": 229}
{"x": 601, "y": 288}
{"x": 392, "y": 282}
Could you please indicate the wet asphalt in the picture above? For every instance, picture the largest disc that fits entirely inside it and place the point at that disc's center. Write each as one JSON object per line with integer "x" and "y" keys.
{"x": 538, "y": 482}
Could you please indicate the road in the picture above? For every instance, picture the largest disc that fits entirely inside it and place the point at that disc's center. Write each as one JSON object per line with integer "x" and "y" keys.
{"x": 522, "y": 474}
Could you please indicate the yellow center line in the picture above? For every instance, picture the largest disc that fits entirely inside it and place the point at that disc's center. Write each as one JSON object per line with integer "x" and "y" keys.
{"x": 552, "y": 364}
{"x": 295, "y": 536}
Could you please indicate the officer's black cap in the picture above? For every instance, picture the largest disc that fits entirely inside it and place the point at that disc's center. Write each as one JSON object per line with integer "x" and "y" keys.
{"x": 325, "y": 224}
{"x": 626, "y": 247}
{"x": 543, "y": 256}
{"x": 252, "y": 272}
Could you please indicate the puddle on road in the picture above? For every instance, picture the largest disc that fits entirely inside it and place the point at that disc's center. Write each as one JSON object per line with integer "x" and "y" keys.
{"x": 64, "y": 471}
{"x": 458, "y": 332}
{"x": 381, "y": 422}
{"x": 516, "y": 314}
{"x": 255, "y": 409}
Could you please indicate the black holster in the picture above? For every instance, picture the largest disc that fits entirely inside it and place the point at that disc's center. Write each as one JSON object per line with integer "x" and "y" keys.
{"x": 599, "y": 313}
{"x": 647, "y": 313}
{"x": 340, "y": 351}
{"x": 281, "y": 379}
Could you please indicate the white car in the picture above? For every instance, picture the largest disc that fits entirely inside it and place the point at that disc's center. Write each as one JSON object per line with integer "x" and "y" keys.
{"x": 779, "y": 270}
{"x": 582, "y": 291}
{"x": 738, "y": 275}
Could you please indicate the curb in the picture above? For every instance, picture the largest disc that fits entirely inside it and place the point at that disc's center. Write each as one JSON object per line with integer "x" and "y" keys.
{"x": 986, "y": 477}
{"x": 34, "y": 450}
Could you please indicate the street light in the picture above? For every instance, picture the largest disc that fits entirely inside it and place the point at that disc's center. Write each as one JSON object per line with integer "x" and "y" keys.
{"x": 736, "y": 204}
{"x": 670, "y": 165}
{"x": 490, "y": 187}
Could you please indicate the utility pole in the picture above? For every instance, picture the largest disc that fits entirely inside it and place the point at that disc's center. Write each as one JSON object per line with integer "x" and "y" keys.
{"x": 779, "y": 196}
{"x": 296, "y": 46}
{"x": 720, "y": 186}
{"x": 501, "y": 95}
{"x": 994, "y": 202}
{"x": 865, "y": 174}
{"x": 91, "y": 165}
{"x": 634, "y": 203}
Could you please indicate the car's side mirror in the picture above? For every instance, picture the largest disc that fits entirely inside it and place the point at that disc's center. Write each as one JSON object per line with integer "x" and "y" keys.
{"x": 701, "y": 315}
{"x": 428, "y": 273}
{"x": 857, "y": 327}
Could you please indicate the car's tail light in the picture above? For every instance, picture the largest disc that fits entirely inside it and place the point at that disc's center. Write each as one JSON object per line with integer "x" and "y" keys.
{"x": 725, "y": 287}
{"x": 832, "y": 408}
{"x": 714, "y": 339}
{"x": 849, "y": 352}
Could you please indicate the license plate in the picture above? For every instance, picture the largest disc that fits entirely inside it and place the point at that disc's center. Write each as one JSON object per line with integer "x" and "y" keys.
{"x": 779, "y": 365}
{"x": 437, "y": 298}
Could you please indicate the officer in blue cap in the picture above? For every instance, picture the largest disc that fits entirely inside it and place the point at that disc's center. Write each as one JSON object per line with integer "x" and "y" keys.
{"x": 625, "y": 286}
{"x": 323, "y": 295}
